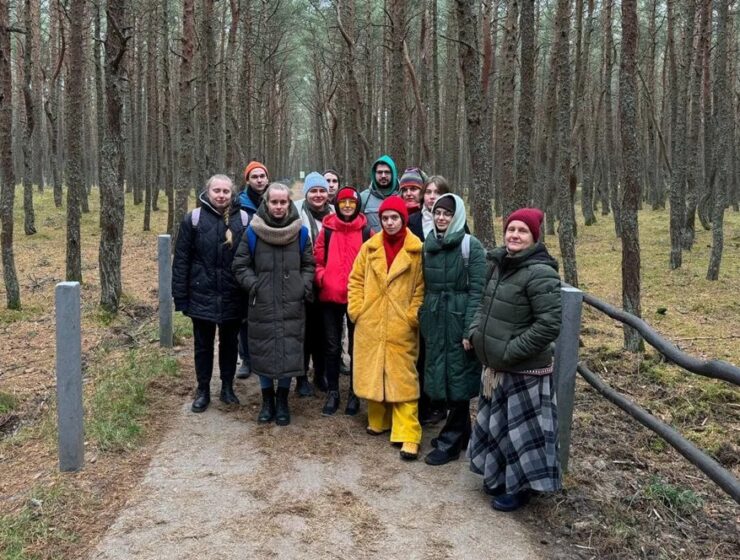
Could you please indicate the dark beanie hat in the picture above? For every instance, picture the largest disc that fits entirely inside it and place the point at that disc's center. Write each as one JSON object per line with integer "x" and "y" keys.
{"x": 396, "y": 204}
{"x": 531, "y": 216}
{"x": 445, "y": 202}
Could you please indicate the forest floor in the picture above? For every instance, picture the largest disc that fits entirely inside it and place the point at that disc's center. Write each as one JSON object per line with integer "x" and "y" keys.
{"x": 627, "y": 495}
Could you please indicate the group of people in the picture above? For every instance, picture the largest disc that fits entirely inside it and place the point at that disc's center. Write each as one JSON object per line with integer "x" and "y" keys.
{"x": 432, "y": 320}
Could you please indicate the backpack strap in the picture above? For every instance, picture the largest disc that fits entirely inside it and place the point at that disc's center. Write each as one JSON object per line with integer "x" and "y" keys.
{"x": 251, "y": 240}
{"x": 364, "y": 196}
{"x": 465, "y": 250}
{"x": 244, "y": 216}
{"x": 303, "y": 238}
{"x": 195, "y": 217}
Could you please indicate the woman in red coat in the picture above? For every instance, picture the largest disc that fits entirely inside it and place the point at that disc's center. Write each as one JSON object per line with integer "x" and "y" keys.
{"x": 336, "y": 247}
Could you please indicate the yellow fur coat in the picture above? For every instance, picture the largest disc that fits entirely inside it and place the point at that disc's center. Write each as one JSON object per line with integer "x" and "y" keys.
{"x": 383, "y": 304}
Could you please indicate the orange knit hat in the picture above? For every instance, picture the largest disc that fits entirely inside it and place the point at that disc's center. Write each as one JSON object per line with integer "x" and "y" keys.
{"x": 251, "y": 166}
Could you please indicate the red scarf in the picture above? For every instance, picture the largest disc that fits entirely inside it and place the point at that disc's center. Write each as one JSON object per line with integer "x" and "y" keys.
{"x": 393, "y": 244}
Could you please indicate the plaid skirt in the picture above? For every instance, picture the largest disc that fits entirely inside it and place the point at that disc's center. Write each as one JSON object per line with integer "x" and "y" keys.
{"x": 514, "y": 444}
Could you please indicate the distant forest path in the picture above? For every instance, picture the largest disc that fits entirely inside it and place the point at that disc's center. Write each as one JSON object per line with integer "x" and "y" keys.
{"x": 222, "y": 486}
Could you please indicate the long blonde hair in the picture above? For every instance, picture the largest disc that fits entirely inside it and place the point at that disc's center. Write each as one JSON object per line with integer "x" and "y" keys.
{"x": 226, "y": 179}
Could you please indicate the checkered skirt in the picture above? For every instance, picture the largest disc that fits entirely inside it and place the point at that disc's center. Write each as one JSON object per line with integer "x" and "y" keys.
{"x": 514, "y": 442}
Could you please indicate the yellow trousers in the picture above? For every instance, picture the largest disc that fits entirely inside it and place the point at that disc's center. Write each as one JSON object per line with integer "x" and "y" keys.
{"x": 402, "y": 418}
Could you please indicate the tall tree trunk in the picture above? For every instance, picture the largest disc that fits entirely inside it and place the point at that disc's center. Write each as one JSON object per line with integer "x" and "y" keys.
{"x": 7, "y": 189}
{"x": 611, "y": 158}
{"x": 723, "y": 124}
{"x": 704, "y": 207}
{"x": 185, "y": 128}
{"x": 29, "y": 96}
{"x": 628, "y": 103}
{"x": 566, "y": 213}
{"x": 51, "y": 105}
{"x": 75, "y": 161}
{"x": 511, "y": 197}
{"x": 587, "y": 155}
{"x": 527, "y": 94}
{"x": 99, "y": 93}
{"x": 476, "y": 109}
{"x": 153, "y": 131}
{"x": 694, "y": 178}
{"x": 359, "y": 148}
{"x": 230, "y": 131}
{"x": 678, "y": 141}
{"x": 167, "y": 148}
{"x": 398, "y": 116}
{"x": 111, "y": 180}
{"x": 435, "y": 93}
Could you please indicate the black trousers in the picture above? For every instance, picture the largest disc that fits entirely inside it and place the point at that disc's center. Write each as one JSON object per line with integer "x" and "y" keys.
{"x": 204, "y": 335}
{"x": 334, "y": 314}
{"x": 243, "y": 348}
{"x": 313, "y": 347}
{"x": 454, "y": 436}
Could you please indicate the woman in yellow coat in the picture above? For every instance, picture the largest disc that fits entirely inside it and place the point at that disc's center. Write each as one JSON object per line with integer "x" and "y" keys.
{"x": 386, "y": 289}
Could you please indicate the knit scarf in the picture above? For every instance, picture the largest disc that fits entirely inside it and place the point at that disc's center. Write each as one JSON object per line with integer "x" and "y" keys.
{"x": 276, "y": 232}
{"x": 427, "y": 221}
{"x": 393, "y": 244}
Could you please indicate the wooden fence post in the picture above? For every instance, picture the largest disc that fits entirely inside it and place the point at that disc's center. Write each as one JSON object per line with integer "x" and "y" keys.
{"x": 566, "y": 363}
{"x": 165, "y": 290}
{"x": 70, "y": 414}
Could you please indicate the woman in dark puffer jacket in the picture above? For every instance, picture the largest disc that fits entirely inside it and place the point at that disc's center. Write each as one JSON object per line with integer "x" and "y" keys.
{"x": 515, "y": 437}
{"x": 205, "y": 289}
{"x": 274, "y": 265}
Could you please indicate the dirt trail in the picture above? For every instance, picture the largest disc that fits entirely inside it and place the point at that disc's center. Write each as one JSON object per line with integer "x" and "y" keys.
{"x": 222, "y": 486}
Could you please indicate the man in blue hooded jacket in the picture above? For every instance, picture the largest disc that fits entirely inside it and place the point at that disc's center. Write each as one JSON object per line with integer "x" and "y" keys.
{"x": 383, "y": 183}
{"x": 256, "y": 178}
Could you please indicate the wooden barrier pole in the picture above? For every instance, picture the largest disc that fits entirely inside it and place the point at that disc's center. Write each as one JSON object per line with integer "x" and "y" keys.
{"x": 566, "y": 364}
{"x": 70, "y": 414}
{"x": 165, "y": 290}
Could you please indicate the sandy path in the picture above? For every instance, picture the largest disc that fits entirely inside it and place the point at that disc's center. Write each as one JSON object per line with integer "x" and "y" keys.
{"x": 221, "y": 486}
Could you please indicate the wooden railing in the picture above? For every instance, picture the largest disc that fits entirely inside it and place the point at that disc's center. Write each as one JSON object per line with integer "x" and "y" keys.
{"x": 567, "y": 364}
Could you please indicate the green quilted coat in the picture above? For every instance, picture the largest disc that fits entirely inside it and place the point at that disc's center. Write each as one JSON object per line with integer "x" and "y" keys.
{"x": 451, "y": 298}
{"x": 520, "y": 313}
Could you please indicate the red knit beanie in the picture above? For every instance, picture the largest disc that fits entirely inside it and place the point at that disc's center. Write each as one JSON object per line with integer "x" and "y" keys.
{"x": 251, "y": 166}
{"x": 531, "y": 216}
{"x": 396, "y": 204}
{"x": 348, "y": 192}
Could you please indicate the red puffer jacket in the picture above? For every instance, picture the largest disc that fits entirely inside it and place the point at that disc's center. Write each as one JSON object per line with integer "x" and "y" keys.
{"x": 334, "y": 264}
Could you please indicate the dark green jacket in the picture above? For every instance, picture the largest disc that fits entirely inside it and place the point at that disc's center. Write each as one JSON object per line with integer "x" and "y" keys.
{"x": 451, "y": 297}
{"x": 520, "y": 313}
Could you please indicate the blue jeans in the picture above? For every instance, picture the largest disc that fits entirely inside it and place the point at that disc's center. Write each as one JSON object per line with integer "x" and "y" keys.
{"x": 268, "y": 382}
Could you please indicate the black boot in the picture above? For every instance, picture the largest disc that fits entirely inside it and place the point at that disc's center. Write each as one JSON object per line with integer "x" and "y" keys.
{"x": 353, "y": 404}
{"x": 202, "y": 398}
{"x": 332, "y": 403}
{"x": 267, "y": 412}
{"x": 282, "y": 413}
{"x": 227, "y": 395}
{"x": 303, "y": 386}
{"x": 319, "y": 382}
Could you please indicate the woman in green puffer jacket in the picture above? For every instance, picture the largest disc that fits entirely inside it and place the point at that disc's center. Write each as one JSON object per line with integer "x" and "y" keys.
{"x": 451, "y": 297}
{"x": 515, "y": 439}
